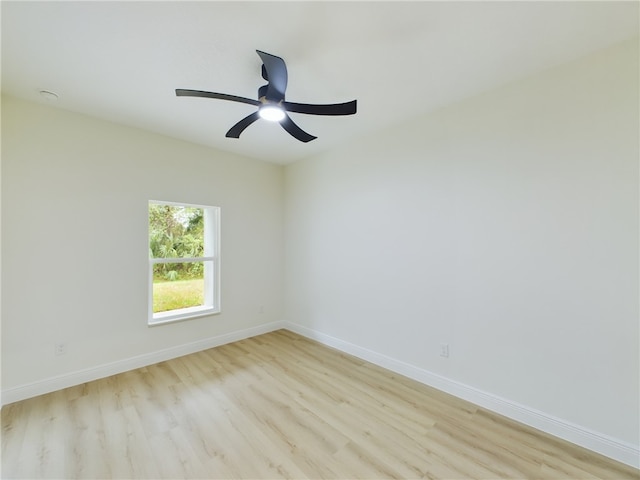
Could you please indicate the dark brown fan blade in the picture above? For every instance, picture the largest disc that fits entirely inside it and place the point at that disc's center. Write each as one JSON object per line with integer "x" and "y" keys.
{"x": 295, "y": 130}
{"x": 347, "y": 108}
{"x": 238, "y": 128}
{"x": 180, "y": 92}
{"x": 276, "y": 74}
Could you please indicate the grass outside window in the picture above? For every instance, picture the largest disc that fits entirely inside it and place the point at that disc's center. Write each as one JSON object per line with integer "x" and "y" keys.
{"x": 172, "y": 295}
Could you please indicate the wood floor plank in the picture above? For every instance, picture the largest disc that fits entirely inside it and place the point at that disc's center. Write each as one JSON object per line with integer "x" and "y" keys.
{"x": 276, "y": 406}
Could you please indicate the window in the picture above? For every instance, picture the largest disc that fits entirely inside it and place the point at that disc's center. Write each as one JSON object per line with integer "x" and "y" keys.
{"x": 184, "y": 264}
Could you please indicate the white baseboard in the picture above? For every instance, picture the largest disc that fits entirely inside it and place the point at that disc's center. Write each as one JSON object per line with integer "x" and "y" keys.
{"x": 603, "y": 444}
{"x": 34, "y": 389}
{"x": 595, "y": 441}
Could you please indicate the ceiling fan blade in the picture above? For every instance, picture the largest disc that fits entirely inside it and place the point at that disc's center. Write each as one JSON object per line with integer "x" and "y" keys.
{"x": 295, "y": 130}
{"x": 238, "y": 128}
{"x": 181, "y": 92}
{"x": 347, "y": 108}
{"x": 276, "y": 74}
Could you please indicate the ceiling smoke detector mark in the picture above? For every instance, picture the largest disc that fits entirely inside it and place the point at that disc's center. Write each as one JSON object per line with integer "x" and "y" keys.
{"x": 48, "y": 95}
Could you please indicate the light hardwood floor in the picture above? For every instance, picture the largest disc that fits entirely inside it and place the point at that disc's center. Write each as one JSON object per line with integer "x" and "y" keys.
{"x": 276, "y": 406}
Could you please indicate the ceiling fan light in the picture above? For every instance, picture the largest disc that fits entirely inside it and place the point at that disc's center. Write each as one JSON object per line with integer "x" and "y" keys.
{"x": 271, "y": 113}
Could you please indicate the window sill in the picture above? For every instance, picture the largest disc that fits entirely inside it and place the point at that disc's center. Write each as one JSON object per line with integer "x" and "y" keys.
{"x": 163, "y": 318}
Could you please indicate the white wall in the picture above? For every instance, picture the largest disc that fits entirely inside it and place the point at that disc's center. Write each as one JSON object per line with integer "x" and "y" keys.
{"x": 75, "y": 247}
{"x": 506, "y": 226}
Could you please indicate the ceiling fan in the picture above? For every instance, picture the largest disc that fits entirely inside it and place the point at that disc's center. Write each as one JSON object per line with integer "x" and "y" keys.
{"x": 271, "y": 103}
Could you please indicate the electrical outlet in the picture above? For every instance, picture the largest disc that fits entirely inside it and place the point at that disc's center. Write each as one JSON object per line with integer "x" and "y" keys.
{"x": 444, "y": 350}
{"x": 261, "y": 309}
{"x": 60, "y": 348}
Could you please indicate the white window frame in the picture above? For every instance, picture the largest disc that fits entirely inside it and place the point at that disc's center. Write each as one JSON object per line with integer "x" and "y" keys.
{"x": 211, "y": 261}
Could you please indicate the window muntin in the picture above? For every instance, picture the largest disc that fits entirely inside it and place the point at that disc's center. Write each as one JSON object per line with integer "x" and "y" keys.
{"x": 184, "y": 280}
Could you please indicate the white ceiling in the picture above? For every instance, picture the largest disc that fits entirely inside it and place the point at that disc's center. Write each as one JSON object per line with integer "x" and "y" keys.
{"x": 122, "y": 61}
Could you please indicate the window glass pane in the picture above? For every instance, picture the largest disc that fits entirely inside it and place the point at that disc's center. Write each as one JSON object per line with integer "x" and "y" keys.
{"x": 186, "y": 285}
{"x": 178, "y": 285}
{"x": 175, "y": 231}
